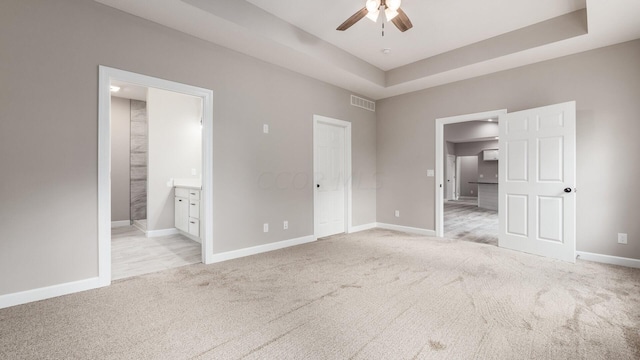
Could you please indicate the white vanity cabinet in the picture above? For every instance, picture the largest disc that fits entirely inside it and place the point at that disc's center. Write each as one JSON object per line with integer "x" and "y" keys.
{"x": 187, "y": 210}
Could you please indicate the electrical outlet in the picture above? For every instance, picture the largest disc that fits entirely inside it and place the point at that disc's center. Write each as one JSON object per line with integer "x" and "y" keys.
{"x": 265, "y": 227}
{"x": 397, "y": 213}
{"x": 193, "y": 172}
{"x": 481, "y": 176}
{"x": 285, "y": 225}
{"x": 622, "y": 238}
{"x": 471, "y": 191}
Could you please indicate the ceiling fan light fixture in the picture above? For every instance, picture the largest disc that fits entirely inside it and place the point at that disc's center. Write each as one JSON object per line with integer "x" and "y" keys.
{"x": 373, "y": 15}
{"x": 389, "y": 13}
{"x": 373, "y": 10}
{"x": 372, "y": 5}
{"x": 393, "y": 4}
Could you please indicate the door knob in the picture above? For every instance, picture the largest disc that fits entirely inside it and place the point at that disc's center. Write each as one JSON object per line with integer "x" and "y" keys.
{"x": 567, "y": 190}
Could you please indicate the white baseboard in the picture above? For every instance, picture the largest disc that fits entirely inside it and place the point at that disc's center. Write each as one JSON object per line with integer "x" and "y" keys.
{"x": 419, "y": 231}
{"x": 120, "y": 223}
{"x": 162, "y": 232}
{"x": 363, "y": 227}
{"x": 48, "y": 292}
{"x": 608, "y": 259}
{"x": 234, "y": 254}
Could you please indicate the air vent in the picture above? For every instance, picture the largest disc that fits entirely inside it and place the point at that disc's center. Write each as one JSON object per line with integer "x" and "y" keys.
{"x": 363, "y": 103}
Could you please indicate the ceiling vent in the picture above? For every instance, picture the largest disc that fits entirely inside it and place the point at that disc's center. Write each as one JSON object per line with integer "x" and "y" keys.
{"x": 363, "y": 103}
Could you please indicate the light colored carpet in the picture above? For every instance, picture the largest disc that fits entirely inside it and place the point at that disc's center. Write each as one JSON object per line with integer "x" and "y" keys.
{"x": 376, "y": 294}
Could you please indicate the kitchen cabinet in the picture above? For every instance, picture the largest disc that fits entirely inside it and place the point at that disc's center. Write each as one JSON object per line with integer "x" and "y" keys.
{"x": 490, "y": 155}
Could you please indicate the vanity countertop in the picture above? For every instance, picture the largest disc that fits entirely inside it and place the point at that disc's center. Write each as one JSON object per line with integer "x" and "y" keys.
{"x": 195, "y": 184}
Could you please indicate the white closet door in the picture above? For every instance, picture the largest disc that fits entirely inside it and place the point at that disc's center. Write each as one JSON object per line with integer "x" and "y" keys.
{"x": 330, "y": 179}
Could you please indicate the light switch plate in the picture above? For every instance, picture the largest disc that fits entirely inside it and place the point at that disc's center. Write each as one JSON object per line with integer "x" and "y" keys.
{"x": 430, "y": 173}
{"x": 265, "y": 227}
{"x": 265, "y": 128}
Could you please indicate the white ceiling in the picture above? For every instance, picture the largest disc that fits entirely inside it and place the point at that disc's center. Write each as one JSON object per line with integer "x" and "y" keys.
{"x": 129, "y": 91}
{"x": 438, "y": 26}
{"x": 300, "y": 35}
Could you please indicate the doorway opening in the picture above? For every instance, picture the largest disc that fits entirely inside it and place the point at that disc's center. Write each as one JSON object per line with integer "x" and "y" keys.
{"x": 154, "y": 168}
{"x": 156, "y": 152}
{"x": 467, "y": 182}
{"x": 332, "y": 176}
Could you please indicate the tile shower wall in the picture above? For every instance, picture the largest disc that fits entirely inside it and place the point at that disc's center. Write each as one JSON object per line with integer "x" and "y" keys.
{"x": 139, "y": 155}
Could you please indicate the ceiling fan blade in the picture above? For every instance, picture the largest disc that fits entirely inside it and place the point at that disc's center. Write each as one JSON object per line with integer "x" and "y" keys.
{"x": 401, "y": 21}
{"x": 353, "y": 19}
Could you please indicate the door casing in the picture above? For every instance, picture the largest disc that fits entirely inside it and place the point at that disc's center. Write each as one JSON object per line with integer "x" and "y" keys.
{"x": 439, "y": 183}
{"x": 106, "y": 74}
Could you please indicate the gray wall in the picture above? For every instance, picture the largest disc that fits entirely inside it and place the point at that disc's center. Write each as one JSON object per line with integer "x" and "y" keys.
{"x": 606, "y": 85}
{"x": 120, "y": 131}
{"x": 470, "y": 130}
{"x": 488, "y": 169}
{"x": 48, "y": 44}
{"x": 468, "y": 173}
{"x": 453, "y": 134}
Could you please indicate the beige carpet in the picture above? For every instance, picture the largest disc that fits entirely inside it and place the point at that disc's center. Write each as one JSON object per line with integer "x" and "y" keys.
{"x": 371, "y": 295}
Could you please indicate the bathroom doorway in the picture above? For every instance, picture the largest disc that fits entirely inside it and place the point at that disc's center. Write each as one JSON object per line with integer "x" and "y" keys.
{"x": 156, "y": 152}
{"x": 154, "y": 157}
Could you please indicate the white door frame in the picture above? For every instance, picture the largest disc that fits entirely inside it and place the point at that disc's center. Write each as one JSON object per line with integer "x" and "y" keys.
{"x": 347, "y": 170}
{"x": 106, "y": 74}
{"x": 439, "y": 190}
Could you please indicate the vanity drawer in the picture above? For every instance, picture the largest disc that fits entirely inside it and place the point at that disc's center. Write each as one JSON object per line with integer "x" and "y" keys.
{"x": 194, "y": 209}
{"x": 194, "y": 194}
{"x": 182, "y": 192}
{"x": 194, "y": 227}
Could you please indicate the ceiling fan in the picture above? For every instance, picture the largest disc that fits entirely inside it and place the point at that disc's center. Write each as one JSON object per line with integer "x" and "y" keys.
{"x": 373, "y": 8}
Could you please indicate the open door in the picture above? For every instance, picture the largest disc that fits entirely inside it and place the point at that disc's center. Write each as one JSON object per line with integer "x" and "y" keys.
{"x": 537, "y": 181}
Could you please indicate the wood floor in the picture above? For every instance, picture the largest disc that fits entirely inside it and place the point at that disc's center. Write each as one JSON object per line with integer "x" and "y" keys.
{"x": 134, "y": 254}
{"x": 464, "y": 220}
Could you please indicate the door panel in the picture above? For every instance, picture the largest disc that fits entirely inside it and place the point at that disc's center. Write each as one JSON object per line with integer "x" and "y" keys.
{"x": 517, "y": 214}
{"x": 550, "y": 155}
{"x": 549, "y": 211}
{"x": 536, "y": 214}
{"x": 517, "y": 160}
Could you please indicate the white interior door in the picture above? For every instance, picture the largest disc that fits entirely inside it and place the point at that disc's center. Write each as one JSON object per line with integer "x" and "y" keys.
{"x": 451, "y": 177}
{"x": 537, "y": 181}
{"x": 330, "y": 178}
